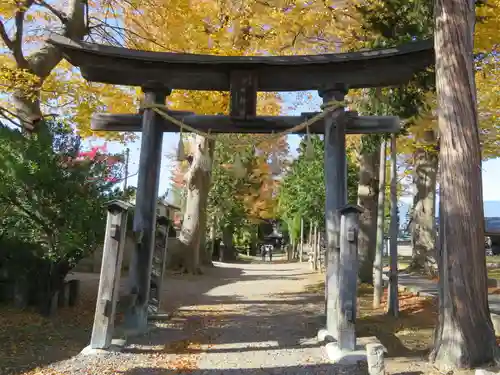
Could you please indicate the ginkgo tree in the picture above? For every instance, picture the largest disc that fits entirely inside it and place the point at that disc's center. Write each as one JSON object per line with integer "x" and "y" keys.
{"x": 237, "y": 199}
{"x": 241, "y": 199}
{"x": 35, "y": 83}
{"x": 229, "y": 28}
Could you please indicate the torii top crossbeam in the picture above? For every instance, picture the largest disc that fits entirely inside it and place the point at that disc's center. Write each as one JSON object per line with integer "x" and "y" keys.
{"x": 122, "y": 66}
{"x": 244, "y": 76}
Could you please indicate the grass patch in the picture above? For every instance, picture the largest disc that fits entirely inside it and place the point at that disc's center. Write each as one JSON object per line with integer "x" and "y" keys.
{"x": 494, "y": 273}
{"x": 409, "y": 335}
{"x": 493, "y": 259}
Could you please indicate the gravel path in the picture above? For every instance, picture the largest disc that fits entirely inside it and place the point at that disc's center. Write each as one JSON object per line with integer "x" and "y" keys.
{"x": 236, "y": 319}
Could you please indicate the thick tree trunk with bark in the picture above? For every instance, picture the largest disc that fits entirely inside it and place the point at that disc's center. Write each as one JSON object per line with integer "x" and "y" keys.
{"x": 464, "y": 336}
{"x": 194, "y": 221}
{"x": 42, "y": 61}
{"x": 367, "y": 200}
{"x": 423, "y": 223}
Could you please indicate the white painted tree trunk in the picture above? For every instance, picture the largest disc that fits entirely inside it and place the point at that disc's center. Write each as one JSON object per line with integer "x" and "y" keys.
{"x": 423, "y": 223}
{"x": 378, "y": 263}
{"x": 367, "y": 200}
{"x": 194, "y": 222}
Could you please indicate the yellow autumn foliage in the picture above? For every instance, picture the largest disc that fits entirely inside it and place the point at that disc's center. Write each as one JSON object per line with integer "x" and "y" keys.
{"x": 63, "y": 92}
{"x": 487, "y": 82}
{"x": 486, "y": 32}
{"x": 230, "y": 28}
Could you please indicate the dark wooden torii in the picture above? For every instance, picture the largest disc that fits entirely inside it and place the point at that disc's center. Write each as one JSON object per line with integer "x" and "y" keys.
{"x": 243, "y": 76}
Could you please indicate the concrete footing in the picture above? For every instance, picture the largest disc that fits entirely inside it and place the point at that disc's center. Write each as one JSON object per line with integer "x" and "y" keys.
{"x": 368, "y": 350}
{"x": 342, "y": 357}
{"x": 484, "y": 372}
{"x": 116, "y": 346}
{"x": 324, "y": 336}
{"x": 375, "y": 358}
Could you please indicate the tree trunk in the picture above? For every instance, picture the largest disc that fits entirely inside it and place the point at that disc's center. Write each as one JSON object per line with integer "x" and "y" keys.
{"x": 310, "y": 241}
{"x": 291, "y": 250}
{"x": 301, "y": 249}
{"x": 228, "y": 251}
{"x": 464, "y": 336}
{"x": 212, "y": 239}
{"x": 315, "y": 248}
{"x": 378, "y": 288}
{"x": 254, "y": 240}
{"x": 49, "y": 281}
{"x": 193, "y": 222}
{"x": 423, "y": 222}
{"x": 205, "y": 256}
{"x": 367, "y": 200}
{"x": 43, "y": 61}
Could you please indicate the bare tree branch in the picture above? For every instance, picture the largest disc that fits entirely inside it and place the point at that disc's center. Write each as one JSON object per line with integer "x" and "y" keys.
{"x": 7, "y": 115}
{"x": 48, "y": 56}
{"x": 122, "y": 32}
{"x": 17, "y": 42}
{"x": 5, "y": 37}
{"x": 61, "y": 15}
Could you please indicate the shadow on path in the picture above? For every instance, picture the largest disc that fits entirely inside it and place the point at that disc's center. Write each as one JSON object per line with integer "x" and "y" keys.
{"x": 323, "y": 369}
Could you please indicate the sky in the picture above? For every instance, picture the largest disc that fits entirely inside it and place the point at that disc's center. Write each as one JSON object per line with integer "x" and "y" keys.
{"x": 491, "y": 168}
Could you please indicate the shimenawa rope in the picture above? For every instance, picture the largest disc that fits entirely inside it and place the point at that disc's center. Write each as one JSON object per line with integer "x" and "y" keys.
{"x": 327, "y": 108}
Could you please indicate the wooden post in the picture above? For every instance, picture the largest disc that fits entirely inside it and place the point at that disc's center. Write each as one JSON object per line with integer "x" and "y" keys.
{"x": 336, "y": 197}
{"x": 109, "y": 282}
{"x": 379, "y": 249}
{"x": 163, "y": 221}
{"x": 136, "y": 316}
{"x": 348, "y": 276}
{"x": 393, "y": 273}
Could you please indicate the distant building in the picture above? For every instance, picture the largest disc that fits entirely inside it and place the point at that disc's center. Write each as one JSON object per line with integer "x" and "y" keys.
{"x": 168, "y": 210}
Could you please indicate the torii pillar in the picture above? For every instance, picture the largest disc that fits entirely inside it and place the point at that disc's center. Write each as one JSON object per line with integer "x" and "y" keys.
{"x": 336, "y": 197}
{"x": 144, "y": 227}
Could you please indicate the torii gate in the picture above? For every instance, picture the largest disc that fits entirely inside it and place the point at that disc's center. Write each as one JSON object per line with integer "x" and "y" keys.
{"x": 157, "y": 73}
